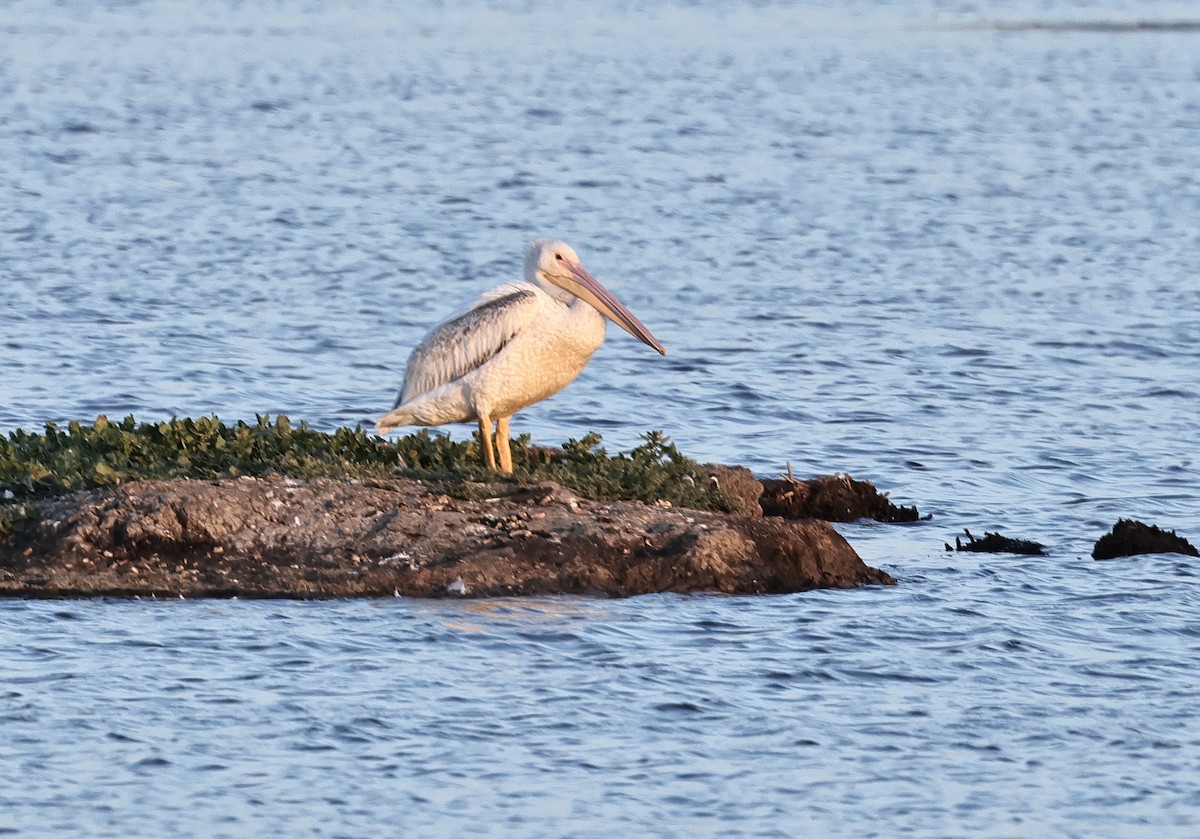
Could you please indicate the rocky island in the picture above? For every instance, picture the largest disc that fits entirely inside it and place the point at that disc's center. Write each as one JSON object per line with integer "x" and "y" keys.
{"x": 197, "y": 508}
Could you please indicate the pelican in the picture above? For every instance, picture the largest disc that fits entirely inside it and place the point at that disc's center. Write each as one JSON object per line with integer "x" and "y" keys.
{"x": 516, "y": 345}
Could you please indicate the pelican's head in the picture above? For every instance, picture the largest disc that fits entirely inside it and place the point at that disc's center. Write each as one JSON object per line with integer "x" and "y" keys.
{"x": 551, "y": 264}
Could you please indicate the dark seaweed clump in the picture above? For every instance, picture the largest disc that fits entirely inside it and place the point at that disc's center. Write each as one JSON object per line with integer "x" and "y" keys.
{"x": 995, "y": 543}
{"x": 1130, "y": 537}
{"x": 831, "y": 498}
{"x": 106, "y": 453}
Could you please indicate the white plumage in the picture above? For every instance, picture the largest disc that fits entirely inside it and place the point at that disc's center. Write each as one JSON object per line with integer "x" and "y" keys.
{"x": 516, "y": 345}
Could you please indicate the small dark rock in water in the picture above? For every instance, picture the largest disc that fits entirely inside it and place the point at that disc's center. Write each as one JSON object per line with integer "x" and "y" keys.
{"x": 995, "y": 543}
{"x": 831, "y": 498}
{"x": 1131, "y": 538}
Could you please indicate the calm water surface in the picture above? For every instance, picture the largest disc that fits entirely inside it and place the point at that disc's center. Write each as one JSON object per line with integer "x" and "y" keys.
{"x": 964, "y": 264}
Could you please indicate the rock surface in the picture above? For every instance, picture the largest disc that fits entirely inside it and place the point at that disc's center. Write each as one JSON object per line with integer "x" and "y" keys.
{"x": 831, "y": 498}
{"x": 277, "y": 537}
{"x": 1130, "y": 537}
{"x": 738, "y": 483}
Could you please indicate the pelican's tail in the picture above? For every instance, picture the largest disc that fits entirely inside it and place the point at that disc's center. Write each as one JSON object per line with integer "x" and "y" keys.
{"x": 438, "y": 407}
{"x": 393, "y": 420}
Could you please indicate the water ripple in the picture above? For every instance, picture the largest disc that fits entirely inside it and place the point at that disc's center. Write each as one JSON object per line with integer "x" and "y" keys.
{"x": 956, "y": 262}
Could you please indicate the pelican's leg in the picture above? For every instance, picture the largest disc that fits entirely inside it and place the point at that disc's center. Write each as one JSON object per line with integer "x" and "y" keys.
{"x": 502, "y": 448}
{"x": 485, "y": 440}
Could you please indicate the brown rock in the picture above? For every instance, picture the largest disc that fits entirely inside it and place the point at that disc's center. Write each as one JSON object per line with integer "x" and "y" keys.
{"x": 277, "y": 537}
{"x": 738, "y": 483}
{"x": 831, "y": 498}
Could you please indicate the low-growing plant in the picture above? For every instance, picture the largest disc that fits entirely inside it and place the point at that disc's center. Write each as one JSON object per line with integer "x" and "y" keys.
{"x": 653, "y": 471}
{"x": 107, "y": 453}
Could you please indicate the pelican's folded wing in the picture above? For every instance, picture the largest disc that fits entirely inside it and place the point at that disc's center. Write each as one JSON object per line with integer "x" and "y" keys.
{"x": 468, "y": 341}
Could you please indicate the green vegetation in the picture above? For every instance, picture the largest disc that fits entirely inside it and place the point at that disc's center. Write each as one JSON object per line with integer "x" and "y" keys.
{"x": 40, "y": 465}
{"x": 653, "y": 471}
{"x": 106, "y": 453}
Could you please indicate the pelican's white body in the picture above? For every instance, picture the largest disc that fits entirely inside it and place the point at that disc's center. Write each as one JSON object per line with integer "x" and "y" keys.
{"x": 516, "y": 345}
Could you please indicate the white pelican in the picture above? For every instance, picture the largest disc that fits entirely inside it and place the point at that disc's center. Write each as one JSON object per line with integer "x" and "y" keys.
{"x": 517, "y": 344}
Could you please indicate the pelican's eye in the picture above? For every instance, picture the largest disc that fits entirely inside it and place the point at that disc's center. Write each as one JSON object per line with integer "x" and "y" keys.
{"x": 559, "y": 257}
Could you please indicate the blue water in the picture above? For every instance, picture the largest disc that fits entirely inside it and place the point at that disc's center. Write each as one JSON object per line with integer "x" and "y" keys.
{"x": 964, "y": 264}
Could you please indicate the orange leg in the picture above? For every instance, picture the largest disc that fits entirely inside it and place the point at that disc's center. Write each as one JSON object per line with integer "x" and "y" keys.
{"x": 485, "y": 440}
{"x": 502, "y": 448}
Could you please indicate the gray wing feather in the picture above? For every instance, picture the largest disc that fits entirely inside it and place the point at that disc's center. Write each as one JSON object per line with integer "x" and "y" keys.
{"x": 466, "y": 342}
